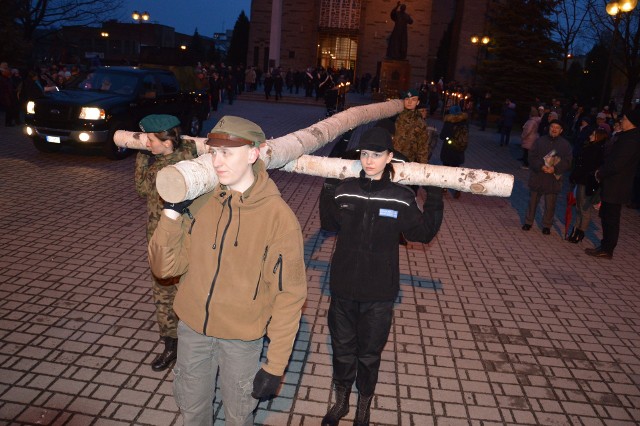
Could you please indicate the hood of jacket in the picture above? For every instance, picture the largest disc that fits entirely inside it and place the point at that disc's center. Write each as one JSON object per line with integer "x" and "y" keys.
{"x": 456, "y": 118}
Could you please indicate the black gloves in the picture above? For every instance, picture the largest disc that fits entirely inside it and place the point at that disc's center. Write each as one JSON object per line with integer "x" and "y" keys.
{"x": 434, "y": 198}
{"x": 265, "y": 384}
{"x": 180, "y": 207}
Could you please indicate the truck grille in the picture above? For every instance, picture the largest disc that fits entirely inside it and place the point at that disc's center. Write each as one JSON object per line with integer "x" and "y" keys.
{"x": 55, "y": 113}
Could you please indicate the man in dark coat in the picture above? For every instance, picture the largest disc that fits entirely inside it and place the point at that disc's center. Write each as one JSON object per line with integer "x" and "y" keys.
{"x": 549, "y": 157}
{"x": 616, "y": 182}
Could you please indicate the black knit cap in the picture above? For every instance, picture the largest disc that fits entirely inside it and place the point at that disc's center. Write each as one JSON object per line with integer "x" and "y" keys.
{"x": 375, "y": 139}
{"x": 558, "y": 122}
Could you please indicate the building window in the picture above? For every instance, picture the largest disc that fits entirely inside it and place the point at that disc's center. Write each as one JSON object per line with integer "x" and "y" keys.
{"x": 256, "y": 56}
{"x": 337, "y": 50}
{"x": 292, "y": 54}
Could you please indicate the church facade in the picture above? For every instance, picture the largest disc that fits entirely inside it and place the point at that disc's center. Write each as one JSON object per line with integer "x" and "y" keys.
{"x": 353, "y": 34}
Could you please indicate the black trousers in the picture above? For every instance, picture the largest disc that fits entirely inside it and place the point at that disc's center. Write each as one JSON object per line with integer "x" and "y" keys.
{"x": 359, "y": 331}
{"x": 610, "y": 217}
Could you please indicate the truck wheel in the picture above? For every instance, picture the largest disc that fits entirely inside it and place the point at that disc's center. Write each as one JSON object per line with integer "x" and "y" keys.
{"x": 111, "y": 150}
{"x": 193, "y": 125}
{"x": 44, "y": 146}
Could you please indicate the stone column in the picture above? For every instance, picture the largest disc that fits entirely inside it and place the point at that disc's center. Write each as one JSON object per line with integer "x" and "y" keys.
{"x": 276, "y": 32}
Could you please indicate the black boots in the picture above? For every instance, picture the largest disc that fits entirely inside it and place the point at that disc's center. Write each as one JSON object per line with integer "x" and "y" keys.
{"x": 363, "y": 411}
{"x": 168, "y": 357}
{"x": 576, "y": 236}
{"x": 340, "y": 408}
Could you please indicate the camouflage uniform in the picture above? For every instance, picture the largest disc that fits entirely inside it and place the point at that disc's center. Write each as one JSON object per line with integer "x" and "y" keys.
{"x": 164, "y": 291}
{"x": 411, "y": 138}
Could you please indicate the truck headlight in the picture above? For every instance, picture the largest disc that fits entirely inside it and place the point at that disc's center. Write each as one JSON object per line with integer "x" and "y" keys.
{"x": 31, "y": 107}
{"x": 92, "y": 113}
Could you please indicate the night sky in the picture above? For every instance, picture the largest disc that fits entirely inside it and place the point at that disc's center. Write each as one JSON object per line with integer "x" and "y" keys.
{"x": 208, "y": 16}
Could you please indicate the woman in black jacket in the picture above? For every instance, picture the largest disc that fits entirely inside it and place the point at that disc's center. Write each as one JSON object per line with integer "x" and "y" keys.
{"x": 369, "y": 213}
{"x": 589, "y": 159}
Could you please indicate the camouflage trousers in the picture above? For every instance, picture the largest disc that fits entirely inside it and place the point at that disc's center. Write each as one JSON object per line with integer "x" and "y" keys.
{"x": 164, "y": 291}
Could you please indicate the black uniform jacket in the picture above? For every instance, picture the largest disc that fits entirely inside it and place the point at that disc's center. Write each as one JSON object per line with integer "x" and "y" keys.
{"x": 369, "y": 216}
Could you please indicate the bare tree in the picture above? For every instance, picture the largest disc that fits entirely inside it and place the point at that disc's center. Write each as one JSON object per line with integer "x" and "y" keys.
{"x": 569, "y": 17}
{"x": 623, "y": 31}
{"x": 34, "y": 14}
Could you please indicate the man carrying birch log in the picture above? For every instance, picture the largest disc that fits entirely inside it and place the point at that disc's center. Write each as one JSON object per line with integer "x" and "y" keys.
{"x": 240, "y": 252}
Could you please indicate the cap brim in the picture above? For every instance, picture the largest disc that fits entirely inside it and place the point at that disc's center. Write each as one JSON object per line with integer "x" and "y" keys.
{"x": 374, "y": 148}
{"x": 227, "y": 140}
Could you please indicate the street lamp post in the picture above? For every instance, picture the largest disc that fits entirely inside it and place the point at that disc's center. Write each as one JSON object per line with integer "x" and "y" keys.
{"x": 615, "y": 9}
{"x": 481, "y": 42}
{"x": 140, "y": 18}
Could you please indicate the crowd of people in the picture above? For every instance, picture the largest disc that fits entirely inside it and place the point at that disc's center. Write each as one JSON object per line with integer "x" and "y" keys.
{"x": 601, "y": 152}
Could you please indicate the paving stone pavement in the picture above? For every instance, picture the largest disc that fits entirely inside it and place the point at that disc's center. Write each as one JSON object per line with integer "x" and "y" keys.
{"x": 493, "y": 325}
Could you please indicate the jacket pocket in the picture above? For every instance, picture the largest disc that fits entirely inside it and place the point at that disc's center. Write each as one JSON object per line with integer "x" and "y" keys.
{"x": 264, "y": 258}
{"x": 278, "y": 269}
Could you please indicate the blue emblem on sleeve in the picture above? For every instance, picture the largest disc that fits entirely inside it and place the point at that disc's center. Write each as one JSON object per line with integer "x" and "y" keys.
{"x": 389, "y": 213}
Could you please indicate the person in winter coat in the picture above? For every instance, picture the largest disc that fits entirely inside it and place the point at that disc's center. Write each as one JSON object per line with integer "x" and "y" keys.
{"x": 549, "y": 157}
{"x": 583, "y": 176}
{"x": 369, "y": 213}
{"x": 455, "y": 136}
{"x": 411, "y": 135}
{"x": 582, "y": 134}
{"x": 164, "y": 148}
{"x": 240, "y": 254}
{"x": 616, "y": 182}
{"x": 507, "y": 118}
{"x": 529, "y": 135}
{"x": 268, "y": 85}
{"x": 215, "y": 90}
{"x": 278, "y": 83}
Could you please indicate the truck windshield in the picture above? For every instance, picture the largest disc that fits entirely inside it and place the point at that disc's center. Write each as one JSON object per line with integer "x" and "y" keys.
{"x": 109, "y": 83}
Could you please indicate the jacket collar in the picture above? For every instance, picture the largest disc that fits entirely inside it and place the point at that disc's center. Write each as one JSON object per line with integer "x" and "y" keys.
{"x": 370, "y": 185}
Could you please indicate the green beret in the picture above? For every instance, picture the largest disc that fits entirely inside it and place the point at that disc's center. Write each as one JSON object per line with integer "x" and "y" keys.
{"x": 233, "y": 131}
{"x": 410, "y": 93}
{"x": 156, "y": 123}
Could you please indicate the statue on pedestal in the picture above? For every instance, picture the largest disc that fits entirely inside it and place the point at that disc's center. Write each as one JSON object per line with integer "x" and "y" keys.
{"x": 397, "y": 47}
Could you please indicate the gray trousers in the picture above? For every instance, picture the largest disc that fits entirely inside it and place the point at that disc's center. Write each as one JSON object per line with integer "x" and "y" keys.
{"x": 194, "y": 386}
{"x": 549, "y": 208}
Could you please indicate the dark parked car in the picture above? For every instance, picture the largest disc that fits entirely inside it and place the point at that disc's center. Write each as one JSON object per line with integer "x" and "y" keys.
{"x": 110, "y": 99}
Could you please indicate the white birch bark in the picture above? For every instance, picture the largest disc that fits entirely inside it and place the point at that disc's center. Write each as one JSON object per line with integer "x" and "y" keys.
{"x": 138, "y": 140}
{"x": 279, "y": 151}
{"x": 192, "y": 178}
{"x": 476, "y": 181}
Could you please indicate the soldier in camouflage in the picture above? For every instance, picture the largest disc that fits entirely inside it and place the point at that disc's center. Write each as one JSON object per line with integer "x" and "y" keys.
{"x": 411, "y": 137}
{"x": 164, "y": 148}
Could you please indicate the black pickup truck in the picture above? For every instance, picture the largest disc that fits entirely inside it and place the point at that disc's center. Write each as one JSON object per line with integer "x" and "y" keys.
{"x": 110, "y": 99}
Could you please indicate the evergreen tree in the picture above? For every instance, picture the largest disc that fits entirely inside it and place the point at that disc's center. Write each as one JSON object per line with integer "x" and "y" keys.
{"x": 12, "y": 48}
{"x": 521, "y": 63}
{"x": 239, "y": 44}
{"x": 196, "y": 48}
{"x": 593, "y": 75}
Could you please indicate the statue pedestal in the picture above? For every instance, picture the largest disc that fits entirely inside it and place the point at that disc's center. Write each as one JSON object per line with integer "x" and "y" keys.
{"x": 395, "y": 77}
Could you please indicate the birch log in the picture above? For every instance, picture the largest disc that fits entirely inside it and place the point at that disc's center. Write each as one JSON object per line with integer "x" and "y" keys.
{"x": 476, "y": 181}
{"x": 138, "y": 140}
{"x": 279, "y": 151}
{"x": 188, "y": 179}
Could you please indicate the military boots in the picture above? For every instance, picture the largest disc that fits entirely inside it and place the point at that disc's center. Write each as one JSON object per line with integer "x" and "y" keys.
{"x": 168, "y": 357}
